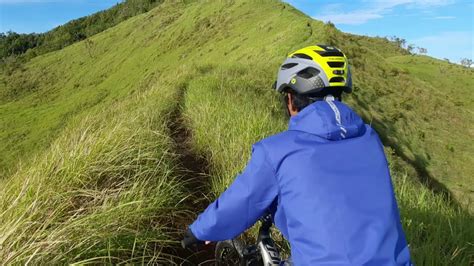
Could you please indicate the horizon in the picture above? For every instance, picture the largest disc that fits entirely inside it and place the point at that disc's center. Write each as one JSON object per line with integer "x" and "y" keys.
{"x": 447, "y": 26}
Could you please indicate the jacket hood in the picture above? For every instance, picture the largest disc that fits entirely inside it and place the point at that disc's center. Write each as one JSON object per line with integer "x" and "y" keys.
{"x": 328, "y": 119}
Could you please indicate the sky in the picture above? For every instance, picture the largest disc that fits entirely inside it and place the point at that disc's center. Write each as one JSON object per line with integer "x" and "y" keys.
{"x": 444, "y": 27}
{"x": 27, "y": 16}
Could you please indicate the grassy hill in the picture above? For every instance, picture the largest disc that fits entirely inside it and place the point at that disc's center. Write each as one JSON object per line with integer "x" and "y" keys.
{"x": 445, "y": 138}
{"x": 21, "y": 47}
{"x": 92, "y": 159}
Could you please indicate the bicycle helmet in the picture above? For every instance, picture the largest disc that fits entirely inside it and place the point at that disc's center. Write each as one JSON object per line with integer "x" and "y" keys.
{"x": 315, "y": 69}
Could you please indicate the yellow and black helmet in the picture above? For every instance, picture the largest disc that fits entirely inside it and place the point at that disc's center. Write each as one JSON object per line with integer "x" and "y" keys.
{"x": 313, "y": 69}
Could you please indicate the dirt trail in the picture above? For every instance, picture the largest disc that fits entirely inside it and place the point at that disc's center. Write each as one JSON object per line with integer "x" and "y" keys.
{"x": 194, "y": 170}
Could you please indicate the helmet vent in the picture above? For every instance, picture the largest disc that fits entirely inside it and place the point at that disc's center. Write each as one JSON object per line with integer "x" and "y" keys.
{"x": 330, "y": 53}
{"x": 288, "y": 66}
{"x": 337, "y": 79}
{"x": 336, "y": 64}
{"x": 304, "y": 56}
{"x": 308, "y": 73}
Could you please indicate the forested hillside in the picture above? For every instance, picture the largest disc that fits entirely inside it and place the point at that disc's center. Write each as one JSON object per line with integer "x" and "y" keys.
{"x": 30, "y": 45}
{"x": 94, "y": 135}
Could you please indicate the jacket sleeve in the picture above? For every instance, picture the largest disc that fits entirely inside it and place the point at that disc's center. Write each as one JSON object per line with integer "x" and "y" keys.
{"x": 242, "y": 204}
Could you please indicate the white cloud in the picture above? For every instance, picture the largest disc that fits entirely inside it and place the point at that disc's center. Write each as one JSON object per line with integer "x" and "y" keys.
{"x": 431, "y": 3}
{"x": 350, "y": 18}
{"x": 444, "y": 17}
{"x": 387, "y": 4}
{"x": 411, "y": 3}
{"x": 331, "y": 8}
{"x": 374, "y": 9}
{"x": 453, "y": 45}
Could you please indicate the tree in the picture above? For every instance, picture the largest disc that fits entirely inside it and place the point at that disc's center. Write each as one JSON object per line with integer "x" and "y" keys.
{"x": 399, "y": 41}
{"x": 402, "y": 42}
{"x": 410, "y": 48}
{"x": 422, "y": 50}
{"x": 12, "y": 43}
{"x": 466, "y": 62}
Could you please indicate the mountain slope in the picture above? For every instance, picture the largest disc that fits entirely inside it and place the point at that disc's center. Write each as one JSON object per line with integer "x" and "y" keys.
{"x": 445, "y": 135}
{"x": 27, "y": 46}
{"x": 215, "y": 64}
{"x": 418, "y": 119}
{"x": 44, "y": 94}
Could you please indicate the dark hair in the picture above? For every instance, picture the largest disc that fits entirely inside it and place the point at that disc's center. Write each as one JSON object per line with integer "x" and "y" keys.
{"x": 300, "y": 101}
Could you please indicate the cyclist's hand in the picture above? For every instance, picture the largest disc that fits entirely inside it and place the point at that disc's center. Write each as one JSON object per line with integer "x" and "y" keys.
{"x": 190, "y": 240}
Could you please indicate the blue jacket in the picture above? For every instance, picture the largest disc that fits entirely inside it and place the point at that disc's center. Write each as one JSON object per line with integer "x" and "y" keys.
{"x": 329, "y": 178}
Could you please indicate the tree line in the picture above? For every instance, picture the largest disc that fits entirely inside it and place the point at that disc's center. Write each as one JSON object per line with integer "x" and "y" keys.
{"x": 30, "y": 45}
{"x": 412, "y": 49}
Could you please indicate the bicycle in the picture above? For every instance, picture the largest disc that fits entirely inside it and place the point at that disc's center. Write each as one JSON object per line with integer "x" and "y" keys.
{"x": 234, "y": 252}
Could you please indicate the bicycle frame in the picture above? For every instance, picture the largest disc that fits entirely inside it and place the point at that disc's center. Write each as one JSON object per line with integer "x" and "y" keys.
{"x": 265, "y": 251}
{"x": 268, "y": 250}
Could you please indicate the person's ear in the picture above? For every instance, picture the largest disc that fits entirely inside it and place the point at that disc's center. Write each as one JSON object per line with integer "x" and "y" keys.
{"x": 291, "y": 108}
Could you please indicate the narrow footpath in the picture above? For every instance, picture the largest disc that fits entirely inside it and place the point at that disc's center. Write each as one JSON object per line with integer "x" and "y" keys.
{"x": 194, "y": 171}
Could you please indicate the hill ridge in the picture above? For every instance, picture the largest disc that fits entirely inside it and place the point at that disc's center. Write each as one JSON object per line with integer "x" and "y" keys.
{"x": 98, "y": 115}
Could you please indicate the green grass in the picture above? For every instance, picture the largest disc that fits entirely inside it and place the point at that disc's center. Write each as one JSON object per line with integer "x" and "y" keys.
{"x": 27, "y": 46}
{"x": 452, "y": 81}
{"x": 39, "y": 98}
{"x": 224, "y": 130}
{"x": 88, "y": 164}
{"x": 438, "y": 232}
{"x": 450, "y": 156}
{"x": 107, "y": 191}
{"x": 422, "y": 108}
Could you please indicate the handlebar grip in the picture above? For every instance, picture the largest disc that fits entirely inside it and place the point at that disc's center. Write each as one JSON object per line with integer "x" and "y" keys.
{"x": 190, "y": 240}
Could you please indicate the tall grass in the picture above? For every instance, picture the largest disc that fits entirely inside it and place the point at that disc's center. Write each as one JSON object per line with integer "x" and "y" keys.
{"x": 38, "y": 99}
{"x": 405, "y": 99}
{"x": 439, "y": 233}
{"x": 227, "y": 112}
{"x": 107, "y": 191}
{"x": 104, "y": 189}
{"x": 438, "y": 229}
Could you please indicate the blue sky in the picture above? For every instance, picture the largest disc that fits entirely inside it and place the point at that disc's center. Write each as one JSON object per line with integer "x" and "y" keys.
{"x": 444, "y": 27}
{"x": 28, "y": 16}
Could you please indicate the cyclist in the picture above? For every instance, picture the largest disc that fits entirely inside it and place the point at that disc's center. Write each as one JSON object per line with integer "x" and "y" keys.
{"x": 326, "y": 178}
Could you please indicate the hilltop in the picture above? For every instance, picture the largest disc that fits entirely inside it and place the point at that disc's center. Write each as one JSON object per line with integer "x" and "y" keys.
{"x": 89, "y": 131}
